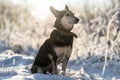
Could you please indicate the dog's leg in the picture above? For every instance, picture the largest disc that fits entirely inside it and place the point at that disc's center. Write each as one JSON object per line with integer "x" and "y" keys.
{"x": 64, "y": 65}
{"x": 53, "y": 64}
{"x": 54, "y": 67}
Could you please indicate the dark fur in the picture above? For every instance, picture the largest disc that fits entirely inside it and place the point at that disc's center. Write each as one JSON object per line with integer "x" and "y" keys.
{"x": 59, "y": 37}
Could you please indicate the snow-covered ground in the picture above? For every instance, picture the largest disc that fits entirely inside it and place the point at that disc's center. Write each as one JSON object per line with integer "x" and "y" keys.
{"x": 15, "y": 66}
{"x": 21, "y": 35}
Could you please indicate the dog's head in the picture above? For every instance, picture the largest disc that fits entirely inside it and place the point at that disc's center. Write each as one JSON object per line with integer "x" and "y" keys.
{"x": 65, "y": 19}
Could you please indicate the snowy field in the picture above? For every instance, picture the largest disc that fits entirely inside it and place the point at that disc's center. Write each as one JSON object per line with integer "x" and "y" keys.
{"x": 96, "y": 51}
{"x": 17, "y": 66}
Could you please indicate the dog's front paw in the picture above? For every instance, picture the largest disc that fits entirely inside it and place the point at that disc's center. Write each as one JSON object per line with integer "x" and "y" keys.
{"x": 62, "y": 73}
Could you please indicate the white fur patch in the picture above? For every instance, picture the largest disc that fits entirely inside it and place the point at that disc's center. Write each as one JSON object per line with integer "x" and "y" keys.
{"x": 50, "y": 56}
{"x": 66, "y": 22}
{"x": 63, "y": 52}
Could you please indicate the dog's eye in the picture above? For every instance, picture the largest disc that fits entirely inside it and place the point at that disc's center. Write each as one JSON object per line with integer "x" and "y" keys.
{"x": 67, "y": 14}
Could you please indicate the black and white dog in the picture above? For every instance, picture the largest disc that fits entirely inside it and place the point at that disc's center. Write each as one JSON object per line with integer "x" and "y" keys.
{"x": 57, "y": 49}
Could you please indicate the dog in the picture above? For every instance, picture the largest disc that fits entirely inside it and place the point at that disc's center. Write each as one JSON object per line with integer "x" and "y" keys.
{"x": 58, "y": 48}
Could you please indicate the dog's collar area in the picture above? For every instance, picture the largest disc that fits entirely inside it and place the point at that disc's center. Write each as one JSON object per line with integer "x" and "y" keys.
{"x": 68, "y": 34}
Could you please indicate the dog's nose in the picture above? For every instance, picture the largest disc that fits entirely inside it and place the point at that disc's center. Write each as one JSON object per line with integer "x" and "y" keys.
{"x": 76, "y": 20}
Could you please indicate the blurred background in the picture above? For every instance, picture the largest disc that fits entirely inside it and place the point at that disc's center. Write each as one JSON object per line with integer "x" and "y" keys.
{"x": 26, "y": 24}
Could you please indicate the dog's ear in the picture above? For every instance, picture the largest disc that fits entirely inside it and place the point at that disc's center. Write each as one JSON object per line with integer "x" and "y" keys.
{"x": 54, "y": 11}
{"x": 66, "y": 7}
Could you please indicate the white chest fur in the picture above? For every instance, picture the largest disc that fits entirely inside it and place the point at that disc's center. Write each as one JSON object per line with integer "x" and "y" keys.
{"x": 63, "y": 52}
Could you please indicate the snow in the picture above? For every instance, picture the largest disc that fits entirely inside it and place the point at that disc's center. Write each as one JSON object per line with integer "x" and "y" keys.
{"x": 20, "y": 40}
{"x": 17, "y": 66}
